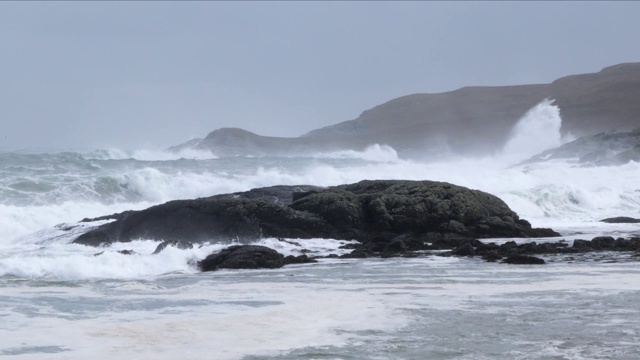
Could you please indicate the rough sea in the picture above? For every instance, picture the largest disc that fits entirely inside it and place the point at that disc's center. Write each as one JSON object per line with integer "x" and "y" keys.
{"x": 60, "y": 301}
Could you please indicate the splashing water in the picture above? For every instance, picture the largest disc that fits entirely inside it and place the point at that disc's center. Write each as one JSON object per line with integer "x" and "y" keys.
{"x": 537, "y": 130}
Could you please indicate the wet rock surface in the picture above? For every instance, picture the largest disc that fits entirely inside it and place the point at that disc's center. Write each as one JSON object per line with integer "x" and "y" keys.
{"x": 243, "y": 257}
{"x": 602, "y": 248}
{"x": 509, "y": 252}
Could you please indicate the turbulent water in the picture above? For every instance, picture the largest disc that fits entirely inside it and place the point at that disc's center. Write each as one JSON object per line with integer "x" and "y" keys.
{"x": 59, "y": 301}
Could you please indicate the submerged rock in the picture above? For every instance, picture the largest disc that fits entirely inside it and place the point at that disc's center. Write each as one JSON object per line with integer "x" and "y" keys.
{"x": 383, "y": 209}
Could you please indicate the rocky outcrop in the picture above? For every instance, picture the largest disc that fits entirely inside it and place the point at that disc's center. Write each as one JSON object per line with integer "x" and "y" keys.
{"x": 367, "y": 211}
{"x": 470, "y": 120}
{"x": 598, "y": 150}
{"x": 621, "y": 220}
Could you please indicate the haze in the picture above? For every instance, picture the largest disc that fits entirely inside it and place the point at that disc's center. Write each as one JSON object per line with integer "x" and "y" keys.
{"x": 88, "y": 75}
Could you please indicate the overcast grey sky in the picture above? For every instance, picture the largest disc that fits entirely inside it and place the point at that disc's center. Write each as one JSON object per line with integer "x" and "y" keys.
{"x": 85, "y": 75}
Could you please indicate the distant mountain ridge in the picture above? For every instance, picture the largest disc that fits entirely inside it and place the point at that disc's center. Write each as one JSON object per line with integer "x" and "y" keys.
{"x": 475, "y": 120}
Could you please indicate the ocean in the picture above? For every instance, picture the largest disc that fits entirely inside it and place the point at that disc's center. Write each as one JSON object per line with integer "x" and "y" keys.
{"x": 61, "y": 301}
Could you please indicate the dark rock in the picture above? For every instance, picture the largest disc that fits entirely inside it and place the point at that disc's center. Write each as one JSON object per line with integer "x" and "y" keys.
{"x": 300, "y": 259}
{"x": 123, "y": 252}
{"x": 243, "y": 257}
{"x": 542, "y": 233}
{"x": 632, "y": 244}
{"x": 395, "y": 246}
{"x": 621, "y": 220}
{"x": 383, "y": 209}
{"x": 464, "y": 250}
{"x": 289, "y": 242}
{"x": 350, "y": 246}
{"x": 528, "y": 248}
{"x": 482, "y": 248}
{"x": 523, "y": 260}
{"x": 443, "y": 243}
{"x": 492, "y": 256}
{"x": 454, "y": 227}
{"x": 603, "y": 243}
{"x": 358, "y": 254}
{"x": 583, "y": 245}
{"x": 183, "y": 245}
{"x": 509, "y": 248}
{"x": 550, "y": 248}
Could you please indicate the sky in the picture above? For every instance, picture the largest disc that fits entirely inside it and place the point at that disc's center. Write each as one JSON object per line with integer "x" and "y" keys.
{"x": 134, "y": 75}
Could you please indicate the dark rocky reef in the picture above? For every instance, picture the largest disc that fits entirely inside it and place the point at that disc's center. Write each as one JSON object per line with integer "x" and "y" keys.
{"x": 509, "y": 252}
{"x": 368, "y": 211}
{"x": 258, "y": 257}
{"x": 470, "y": 120}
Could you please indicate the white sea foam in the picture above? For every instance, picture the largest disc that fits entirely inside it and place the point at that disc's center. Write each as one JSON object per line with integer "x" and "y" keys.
{"x": 376, "y": 152}
{"x": 150, "y": 155}
{"x": 74, "y": 262}
{"x": 18, "y": 222}
{"x": 222, "y": 325}
{"x": 63, "y": 261}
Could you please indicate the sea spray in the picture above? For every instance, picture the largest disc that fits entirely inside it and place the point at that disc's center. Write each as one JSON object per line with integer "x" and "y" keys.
{"x": 149, "y": 154}
{"x": 375, "y": 153}
{"x": 536, "y": 131}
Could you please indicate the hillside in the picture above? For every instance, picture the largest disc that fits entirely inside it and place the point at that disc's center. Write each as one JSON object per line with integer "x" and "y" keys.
{"x": 474, "y": 120}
